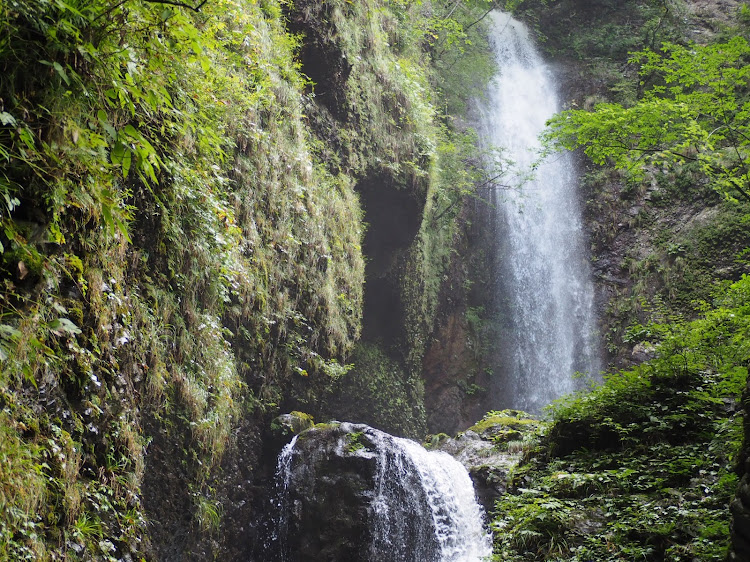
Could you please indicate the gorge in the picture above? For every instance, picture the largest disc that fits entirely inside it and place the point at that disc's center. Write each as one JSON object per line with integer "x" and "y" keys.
{"x": 234, "y": 232}
{"x": 411, "y": 510}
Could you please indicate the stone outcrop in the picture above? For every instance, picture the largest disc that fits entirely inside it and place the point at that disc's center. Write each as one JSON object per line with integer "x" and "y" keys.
{"x": 489, "y": 450}
{"x": 327, "y": 497}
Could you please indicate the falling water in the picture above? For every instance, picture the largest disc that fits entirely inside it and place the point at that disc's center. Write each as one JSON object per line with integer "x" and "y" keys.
{"x": 545, "y": 288}
{"x": 452, "y": 531}
{"x": 422, "y": 508}
{"x": 280, "y": 526}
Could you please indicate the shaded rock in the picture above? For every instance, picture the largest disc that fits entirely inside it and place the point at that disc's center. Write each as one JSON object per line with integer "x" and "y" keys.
{"x": 489, "y": 450}
{"x": 330, "y": 487}
{"x": 643, "y": 352}
{"x": 286, "y": 426}
{"x": 490, "y": 482}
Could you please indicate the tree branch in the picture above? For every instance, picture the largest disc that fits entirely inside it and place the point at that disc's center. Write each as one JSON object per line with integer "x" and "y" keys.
{"x": 179, "y": 4}
{"x": 472, "y": 24}
{"x": 109, "y": 10}
{"x": 472, "y": 192}
{"x": 465, "y": 29}
{"x": 170, "y": 2}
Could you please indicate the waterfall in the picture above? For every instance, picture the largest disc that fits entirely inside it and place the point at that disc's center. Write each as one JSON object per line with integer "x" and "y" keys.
{"x": 451, "y": 531}
{"x": 420, "y": 505}
{"x": 544, "y": 282}
{"x": 282, "y": 505}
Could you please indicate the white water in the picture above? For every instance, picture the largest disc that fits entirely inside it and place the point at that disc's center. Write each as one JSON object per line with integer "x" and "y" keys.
{"x": 423, "y": 507}
{"x": 281, "y": 504}
{"x": 455, "y": 520}
{"x": 546, "y": 291}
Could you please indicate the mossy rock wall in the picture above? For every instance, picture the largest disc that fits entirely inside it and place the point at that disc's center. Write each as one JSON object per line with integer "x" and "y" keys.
{"x": 182, "y": 253}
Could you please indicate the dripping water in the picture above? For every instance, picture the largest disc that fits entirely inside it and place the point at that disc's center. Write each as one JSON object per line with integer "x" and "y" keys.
{"x": 545, "y": 292}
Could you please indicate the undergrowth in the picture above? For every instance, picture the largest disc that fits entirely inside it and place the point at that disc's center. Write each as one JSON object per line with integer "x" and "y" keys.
{"x": 171, "y": 249}
{"x": 641, "y": 467}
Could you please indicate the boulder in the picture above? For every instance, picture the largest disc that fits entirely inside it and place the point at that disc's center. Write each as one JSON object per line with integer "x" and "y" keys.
{"x": 331, "y": 482}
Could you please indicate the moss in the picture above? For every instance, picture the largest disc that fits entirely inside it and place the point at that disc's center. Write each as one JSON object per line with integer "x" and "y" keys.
{"x": 353, "y": 443}
{"x": 434, "y": 441}
{"x": 378, "y": 391}
{"x": 186, "y": 213}
{"x": 498, "y": 420}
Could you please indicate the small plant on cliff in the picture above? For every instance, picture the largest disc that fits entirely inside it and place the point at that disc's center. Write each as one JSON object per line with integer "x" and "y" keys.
{"x": 353, "y": 443}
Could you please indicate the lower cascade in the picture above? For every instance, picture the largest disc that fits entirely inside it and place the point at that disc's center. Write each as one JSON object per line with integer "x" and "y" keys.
{"x": 348, "y": 492}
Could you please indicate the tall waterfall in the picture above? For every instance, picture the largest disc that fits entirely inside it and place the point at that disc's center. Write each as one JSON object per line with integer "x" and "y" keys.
{"x": 544, "y": 283}
{"x": 416, "y": 505}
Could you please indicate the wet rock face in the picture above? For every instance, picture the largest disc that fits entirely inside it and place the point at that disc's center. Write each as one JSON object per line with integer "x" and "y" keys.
{"x": 328, "y": 502}
{"x": 329, "y": 499}
{"x": 489, "y": 450}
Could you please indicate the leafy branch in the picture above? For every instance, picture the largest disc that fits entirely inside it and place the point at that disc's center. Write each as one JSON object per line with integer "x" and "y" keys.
{"x": 693, "y": 110}
{"x": 179, "y": 4}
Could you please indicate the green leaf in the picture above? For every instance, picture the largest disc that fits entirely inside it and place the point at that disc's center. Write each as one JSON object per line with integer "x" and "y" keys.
{"x": 26, "y": 137}
{"x": 61, "y": 326}
{"x": 101, "y": 115}
{"x": 61, "y": 71}
{"x": 107, "y": 215}
{"x": 127, "y": 159}
{"x": 7, "y": 119}
{"x": 131, "y": 131}
{"x": 118, "y": 153}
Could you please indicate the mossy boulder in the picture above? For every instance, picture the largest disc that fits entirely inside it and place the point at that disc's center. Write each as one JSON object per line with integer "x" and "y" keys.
{"x": 490, "y": 449}
{"x": 287, "y": 425}
{"x": 505, "y": 426}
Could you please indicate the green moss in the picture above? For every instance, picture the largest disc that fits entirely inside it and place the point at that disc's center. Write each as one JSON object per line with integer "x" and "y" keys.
{"x": 353, "y": 443}
{"x": 504, "y": 418}
{"x": 182, "y": 241}
{"x": 378, "y": 391}
{"x": 434, "y": 441}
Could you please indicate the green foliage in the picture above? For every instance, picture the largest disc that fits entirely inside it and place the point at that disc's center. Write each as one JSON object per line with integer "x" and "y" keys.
{"x": 353, "y": 443}
{"x": 167, "y": 236}
{"x": 602, "y": 30}
{"x": 643, "y": 465}
{"x": 22, "y": 494}
{"x": 180, "y": 239}
{"x": 378, "y": 391}
{"x": 694, "y": 108}
{"x": 209, "y": 514}
{"x": 510, "y": 430}
{"x": 462, "y": 57}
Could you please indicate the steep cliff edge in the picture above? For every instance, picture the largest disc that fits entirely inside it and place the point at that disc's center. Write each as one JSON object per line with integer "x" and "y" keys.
{"x": 183, "y": 190}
